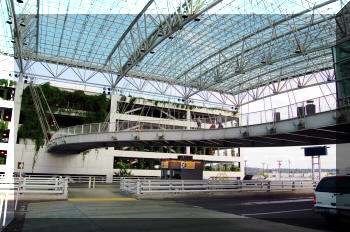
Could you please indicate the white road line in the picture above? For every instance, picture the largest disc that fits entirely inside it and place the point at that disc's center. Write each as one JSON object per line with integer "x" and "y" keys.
{"x": 278, "y": 202}
{"x": 286, "y": 211}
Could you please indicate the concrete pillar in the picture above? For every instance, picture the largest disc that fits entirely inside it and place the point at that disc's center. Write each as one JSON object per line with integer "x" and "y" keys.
{"x": 188, "y": 119}
{"x": 17, "y": 105}
{"x": 10, "y": 159}
{"x": 113, "y": 112}
{"x": 109, "y": 178}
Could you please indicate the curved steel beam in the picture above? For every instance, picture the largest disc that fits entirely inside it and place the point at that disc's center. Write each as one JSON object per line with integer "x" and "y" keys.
{"x": 252, "y": 34}
{"x": 176, "y": 24}
{"x": 127, "y": 31}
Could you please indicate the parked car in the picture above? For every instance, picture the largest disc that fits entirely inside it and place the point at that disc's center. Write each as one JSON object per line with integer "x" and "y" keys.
{"x": 332, "y": 197}
{"x": 254, "y": 177}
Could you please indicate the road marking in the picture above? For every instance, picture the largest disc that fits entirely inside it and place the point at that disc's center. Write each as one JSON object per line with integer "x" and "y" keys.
{"x": 286, "y": 211}
{"x": 102, "y": 199}
{"x": 278, "y": 202}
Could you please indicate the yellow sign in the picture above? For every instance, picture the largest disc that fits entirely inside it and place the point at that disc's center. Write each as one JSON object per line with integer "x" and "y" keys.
{"x": 188, "y": 165}
{"x": 165, "y": 164}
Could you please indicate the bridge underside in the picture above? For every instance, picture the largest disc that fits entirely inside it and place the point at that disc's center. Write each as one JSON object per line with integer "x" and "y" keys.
{"x": 314, "y": 130}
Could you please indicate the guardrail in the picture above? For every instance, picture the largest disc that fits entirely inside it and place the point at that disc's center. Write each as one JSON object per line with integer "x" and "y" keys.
{"x": 34, "y": 185}
{"x": 299, "y": 110}
{"x": 89, "y": 179}
{"x": 178, "y": 186}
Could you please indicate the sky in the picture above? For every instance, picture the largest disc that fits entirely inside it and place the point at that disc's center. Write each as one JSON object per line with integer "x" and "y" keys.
{"x": 270, "y": 155}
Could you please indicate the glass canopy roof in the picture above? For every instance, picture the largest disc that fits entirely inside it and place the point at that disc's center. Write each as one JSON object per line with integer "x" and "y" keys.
{"x": 227, "y": 46}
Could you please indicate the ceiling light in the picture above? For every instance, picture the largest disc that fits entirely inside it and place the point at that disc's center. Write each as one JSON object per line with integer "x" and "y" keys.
{"x": 9, "y": 21}
{"x": 197, "y": 19}
{"x": 171, "y": 37}
{"x": 20, "y": 1}
{"x": 152, "y": 52}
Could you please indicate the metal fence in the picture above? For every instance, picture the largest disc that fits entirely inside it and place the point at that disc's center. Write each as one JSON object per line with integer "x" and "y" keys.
{"x": 179, "y": 186}
{"x": 299, "y": 110}
{"x": 25, "y": 185}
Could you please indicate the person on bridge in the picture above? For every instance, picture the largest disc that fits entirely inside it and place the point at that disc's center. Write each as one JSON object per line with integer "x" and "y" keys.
{"x": 199, "y": 122}
{"x": 219, "y": 121}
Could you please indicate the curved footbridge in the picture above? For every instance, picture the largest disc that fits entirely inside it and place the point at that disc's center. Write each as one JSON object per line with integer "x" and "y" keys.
{"x": 331, "y": 127}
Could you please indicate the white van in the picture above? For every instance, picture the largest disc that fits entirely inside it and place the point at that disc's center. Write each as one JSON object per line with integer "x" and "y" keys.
{"x": 332, "y": 197}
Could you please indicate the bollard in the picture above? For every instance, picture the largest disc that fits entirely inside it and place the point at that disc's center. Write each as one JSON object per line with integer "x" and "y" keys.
{"x": 89, "y": 182}
{"x": 93, "y": 183}
{"x": 268, "y": 186}
{"x": 293, "y": 185}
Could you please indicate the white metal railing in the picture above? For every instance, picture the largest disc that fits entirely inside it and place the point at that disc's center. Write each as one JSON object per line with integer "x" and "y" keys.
{"x": 89, "y": 178}
{"x": 298, "y": 110}
{"x": 25, "y": 185}
{"x": 177, "y": 186}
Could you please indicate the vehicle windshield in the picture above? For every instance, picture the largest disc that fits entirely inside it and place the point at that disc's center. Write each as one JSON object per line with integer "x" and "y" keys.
{"x": 334, "y": 185}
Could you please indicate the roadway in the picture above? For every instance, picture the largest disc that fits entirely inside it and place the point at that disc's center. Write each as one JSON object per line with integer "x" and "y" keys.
{"x": 89, "y": 210}
{"x": 286, "y": 208}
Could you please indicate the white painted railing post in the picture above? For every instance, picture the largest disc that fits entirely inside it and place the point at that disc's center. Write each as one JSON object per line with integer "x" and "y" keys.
{"x": 138, "y": 187}
{"x": 93, "y": 182}
{"x": 2, "y": 196}
{"x": 89, "y": 182}
{"x": 65, "y": 187}
{"x": 5, "y": 210}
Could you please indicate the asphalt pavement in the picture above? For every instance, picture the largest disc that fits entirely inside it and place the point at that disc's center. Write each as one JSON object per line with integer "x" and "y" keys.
{"x": 287, "y": 208}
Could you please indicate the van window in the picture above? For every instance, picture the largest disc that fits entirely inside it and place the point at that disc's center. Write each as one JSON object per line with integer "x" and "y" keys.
{"x": 334, "y": 185}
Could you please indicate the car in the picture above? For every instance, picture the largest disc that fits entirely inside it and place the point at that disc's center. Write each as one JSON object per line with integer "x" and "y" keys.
{"x": 332, "y": 198}
{"x": 254, "y": 177}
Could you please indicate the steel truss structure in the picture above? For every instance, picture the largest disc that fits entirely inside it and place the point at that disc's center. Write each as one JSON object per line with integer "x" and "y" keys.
{"x": 228, "y": 52}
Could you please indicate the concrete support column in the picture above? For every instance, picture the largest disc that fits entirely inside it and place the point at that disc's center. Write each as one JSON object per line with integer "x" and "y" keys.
{"x": 17, "y": 105}
{"x": 10, "y": 159}
{"x": 109, "y": 178}
{"x": 113, "y": 112}
{"x": 188, "y": 119}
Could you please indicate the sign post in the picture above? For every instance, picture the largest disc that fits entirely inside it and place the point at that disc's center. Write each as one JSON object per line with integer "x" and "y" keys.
{"x": 315, "y": 153}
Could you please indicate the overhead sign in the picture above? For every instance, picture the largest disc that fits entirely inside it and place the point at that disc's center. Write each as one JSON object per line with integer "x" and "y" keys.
{"x": 315, "y": 151}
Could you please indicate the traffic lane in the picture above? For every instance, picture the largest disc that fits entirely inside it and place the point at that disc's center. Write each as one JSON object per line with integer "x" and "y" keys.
{"x": 283, "y": 208}
{"x": 254, "y": 204}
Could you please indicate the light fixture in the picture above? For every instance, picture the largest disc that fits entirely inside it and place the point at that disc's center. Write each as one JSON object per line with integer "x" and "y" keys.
{"x": 13, "y": 41}
{"x": 152, "y": 52}
{"x": 160, "y": 34}
{"x": 22, "y": 24}
{"x": 142, "y": 49}
{"x": 171, "y": 37}
{"x": 9, "y": 21}
{"x": 25, "y": 43}
{"x": 197, "y": 19}
{"x": 20, "y": 1}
